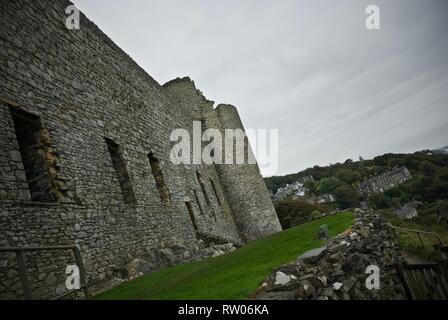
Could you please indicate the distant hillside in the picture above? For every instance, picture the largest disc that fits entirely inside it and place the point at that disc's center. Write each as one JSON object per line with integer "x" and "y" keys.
{"x": 443, "y": 150}
{"x": 429, "y": 183}
{"x": 365, "y": 168}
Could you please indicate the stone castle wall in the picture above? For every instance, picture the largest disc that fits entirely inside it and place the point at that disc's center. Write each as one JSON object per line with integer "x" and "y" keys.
{"x": 81, "y": 101}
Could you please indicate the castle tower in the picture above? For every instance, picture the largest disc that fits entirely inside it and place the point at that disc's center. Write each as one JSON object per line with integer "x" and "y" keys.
{"x": 247, "y": 194}
{"x": 245, "y": 191}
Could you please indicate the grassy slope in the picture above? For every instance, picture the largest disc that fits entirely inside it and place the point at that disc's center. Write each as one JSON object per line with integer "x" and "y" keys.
{"x": 410, "y": 242}
{"x": 232, "y": 276}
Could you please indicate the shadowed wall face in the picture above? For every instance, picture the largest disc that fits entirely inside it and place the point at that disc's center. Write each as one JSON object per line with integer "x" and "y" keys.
{"x": 119, "y": 165}
{"x": 164, "y": 192}
{"x": 28, "y": 128}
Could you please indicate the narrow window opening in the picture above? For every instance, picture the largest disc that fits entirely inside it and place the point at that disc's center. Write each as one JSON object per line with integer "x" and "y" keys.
{"x": 121, "y": 171}
{"x": 246, "y": 150}
{"x": 203, "y": 125}
{"x": 215, "y": 191}
{"x": 191, "y": 214}
{"x": 197, "y": 201}
{"x": 204, "y": 191}
{"x": 38, "y": 156}
{"x": 164, "y": 191}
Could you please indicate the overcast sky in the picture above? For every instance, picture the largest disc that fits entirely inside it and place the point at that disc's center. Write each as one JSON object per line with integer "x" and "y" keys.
{"x": 311, "y": 69}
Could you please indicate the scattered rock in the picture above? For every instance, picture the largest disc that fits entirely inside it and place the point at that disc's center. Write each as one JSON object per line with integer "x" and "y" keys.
{"x": 281, "y": 278}
{"x": 312, "y": 256}
{"x": 322, "y": 233}
{"x": 356, "y": 263}
{"x": 337, "y": 271}
{"x": 336, "y": 286}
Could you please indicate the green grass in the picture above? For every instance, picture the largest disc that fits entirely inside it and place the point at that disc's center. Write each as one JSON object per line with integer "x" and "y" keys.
{"x": 231, "y": 276}
{"x": 410, "y": 242}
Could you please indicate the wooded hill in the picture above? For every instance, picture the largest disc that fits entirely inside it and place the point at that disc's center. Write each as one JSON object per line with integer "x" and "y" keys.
{"x": 429, "y": 183}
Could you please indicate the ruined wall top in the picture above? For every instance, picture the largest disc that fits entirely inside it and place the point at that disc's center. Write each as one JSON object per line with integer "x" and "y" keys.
{"x": 184, "y": 93}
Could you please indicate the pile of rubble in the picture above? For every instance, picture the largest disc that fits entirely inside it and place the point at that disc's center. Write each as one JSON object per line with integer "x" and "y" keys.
{"x": 338, "y": 270}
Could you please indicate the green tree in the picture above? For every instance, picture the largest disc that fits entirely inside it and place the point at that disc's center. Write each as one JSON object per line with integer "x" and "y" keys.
{"x": 346, "y": 197}
{"x": 394, "y": 202}
{"x": 346, "y": 175}
{"x": 427, "y": 168}
{"x": 311, "y": 185}
{"x": 431, "y": 189}
{"x": 292, "y": 212}
{"x": 328, "y": 185}
{"x": 315, "y": 214}
{"x": 378, "y": 201}
{"x": 396, "y": 192}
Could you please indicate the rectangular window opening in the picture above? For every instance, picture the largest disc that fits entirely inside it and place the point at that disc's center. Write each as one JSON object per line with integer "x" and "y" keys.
{"x": 34, "y": 146}
{"x": 215, "y": 191}
{"x": 164, "y": 191}
{"x": 197, "y": 201}
{"x": 191, "y": 214}
{"x": 119, "y": 165}
{"x": 204, "y": 191}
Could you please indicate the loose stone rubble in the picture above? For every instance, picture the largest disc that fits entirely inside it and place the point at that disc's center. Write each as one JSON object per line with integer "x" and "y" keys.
{"x": 322, "y": 233}
{"x": 337, "y": 271}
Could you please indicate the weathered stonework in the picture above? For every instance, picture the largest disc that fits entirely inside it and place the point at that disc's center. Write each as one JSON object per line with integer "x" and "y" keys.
{"x": 83, "y": 91}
